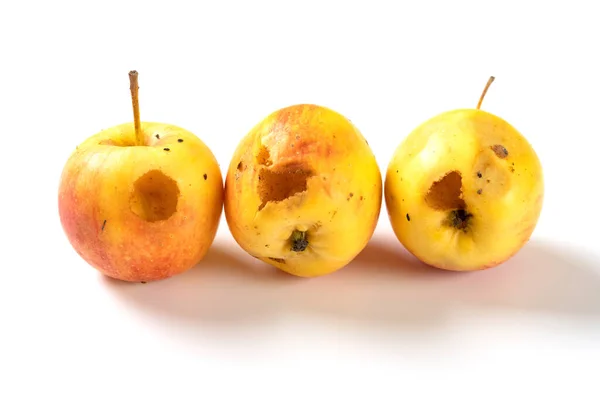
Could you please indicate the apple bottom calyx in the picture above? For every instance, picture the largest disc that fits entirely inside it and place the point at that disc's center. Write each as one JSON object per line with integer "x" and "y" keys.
{"x": 299, "y": 241}
{"x": 459, "y": 219}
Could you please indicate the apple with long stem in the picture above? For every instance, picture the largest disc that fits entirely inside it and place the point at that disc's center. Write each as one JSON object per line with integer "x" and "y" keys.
{"x": 464, "y": 191}
{"x": 141, "y": 201}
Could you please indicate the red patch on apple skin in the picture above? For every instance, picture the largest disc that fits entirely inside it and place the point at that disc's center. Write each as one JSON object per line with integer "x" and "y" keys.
{"x": 128, "y": 248}
{"x": 81, "y": 222}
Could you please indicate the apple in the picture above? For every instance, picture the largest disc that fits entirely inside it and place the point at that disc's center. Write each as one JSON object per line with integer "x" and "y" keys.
{"x": 303, "y": 191}
{"x": 464, "y": 190}
{"x": 141, "y": 201}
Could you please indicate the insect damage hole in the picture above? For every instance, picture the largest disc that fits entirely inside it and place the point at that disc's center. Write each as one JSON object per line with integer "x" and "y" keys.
{"x": 446, "y": 193}
{"x": 264, "y": 157}
{"x": 154, "y": 197}
{"x": 274, "y": 186}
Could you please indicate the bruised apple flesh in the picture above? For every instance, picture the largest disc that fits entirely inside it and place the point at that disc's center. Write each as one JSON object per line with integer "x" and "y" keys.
{"x": 464, "y": 190}
{"x": 303, "y": 191}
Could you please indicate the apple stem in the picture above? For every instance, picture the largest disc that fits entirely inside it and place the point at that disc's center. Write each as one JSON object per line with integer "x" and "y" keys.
{"x": 133, "y": 86}
{"x": 485, "y": 89}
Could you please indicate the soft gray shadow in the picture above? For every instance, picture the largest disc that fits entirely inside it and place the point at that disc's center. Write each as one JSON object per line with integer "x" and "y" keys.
{"x": 383, "y": 287}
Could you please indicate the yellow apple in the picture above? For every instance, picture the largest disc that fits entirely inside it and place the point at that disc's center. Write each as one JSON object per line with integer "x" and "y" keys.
{"x": 141, "y": 201}
{"x": 303, "y": 191}
{"x": 464, "y": 190}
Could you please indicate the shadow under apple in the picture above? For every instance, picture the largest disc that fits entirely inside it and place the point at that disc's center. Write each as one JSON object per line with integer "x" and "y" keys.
{"x": 383, "y": 287}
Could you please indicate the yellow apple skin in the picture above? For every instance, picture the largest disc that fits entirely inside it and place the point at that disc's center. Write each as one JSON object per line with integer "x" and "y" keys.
{"x": 502, "y": 190}
{"x": 303, "y": 168}
{"x": 141, "y": 213}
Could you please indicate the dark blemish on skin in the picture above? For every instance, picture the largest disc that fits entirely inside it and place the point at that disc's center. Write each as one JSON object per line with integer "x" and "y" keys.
{"x": 408, "y": 217}
{"x": 333, "y": 215}
{"x": 479, "y": 191}
{"x": 157, "y": 136}
{"x": 167, "y": 149}
{"x": 511, "y": 169}
{"x": 266, "y": 245}
{"x": 143, "y": 282}
{"x": 487, "y": 180}
{"x": 396, "y": 171}
{"x": 103, "y": 225}
{"x": 240, "y": 166}
{"x": 361, "y": 198}
{"x": 205, "y": 177}
{"x": 277, "y": 260}
{"x": 350, "y": 195}
{"x": 180, "y": 140}
{"x": 479, "y": 174}
{"x": 500, "y": 150}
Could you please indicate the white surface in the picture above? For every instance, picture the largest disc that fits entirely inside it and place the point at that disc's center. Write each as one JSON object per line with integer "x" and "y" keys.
{"x": 382, "y": 327}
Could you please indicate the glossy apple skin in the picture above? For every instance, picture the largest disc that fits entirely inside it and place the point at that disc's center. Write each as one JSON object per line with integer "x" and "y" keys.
{"x": 338, "y": 208}
{"x": 502, "y": 191}
{"x": 106, "y": 219}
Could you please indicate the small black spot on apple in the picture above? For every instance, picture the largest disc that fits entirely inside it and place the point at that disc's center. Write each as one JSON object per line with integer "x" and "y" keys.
{"x": 157, "y": 136}
{"x": 408, "y": 217}
{"x": 205, "y": 177}
{"x": 180, "y": 140}
{"x": 103, "y": 225}
{"x": 167, "y": 149}
{"x": 143, "y": 282}
{"x": 277, "y": 260}
{"x": 479, "y": 175}
{"x": 479, "y": 191}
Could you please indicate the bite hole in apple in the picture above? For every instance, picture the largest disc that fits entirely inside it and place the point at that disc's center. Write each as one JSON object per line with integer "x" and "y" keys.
{"x": 446, "y": 193}
{"x": 264, "y": 156}
{"x": 275, "y": 186}
{"x": 154, "y": 197}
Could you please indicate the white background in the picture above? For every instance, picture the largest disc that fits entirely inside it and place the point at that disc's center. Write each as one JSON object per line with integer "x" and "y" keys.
{"x": 384, "y": 327}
